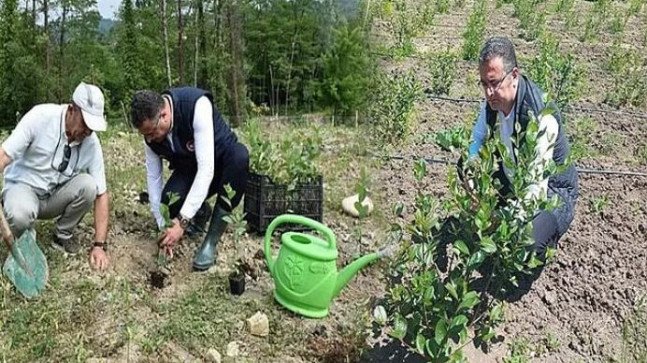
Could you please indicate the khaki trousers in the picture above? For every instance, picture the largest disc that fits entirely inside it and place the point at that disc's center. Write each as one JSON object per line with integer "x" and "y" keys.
{"x": 70, "y": 202}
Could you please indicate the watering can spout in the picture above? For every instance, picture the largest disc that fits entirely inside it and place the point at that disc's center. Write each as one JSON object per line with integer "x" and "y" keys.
{"x": 349, "y": 271}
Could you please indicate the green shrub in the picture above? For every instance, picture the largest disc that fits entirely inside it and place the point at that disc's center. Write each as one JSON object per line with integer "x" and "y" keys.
{"x": 433, "y": 306}
{"x": 348, "y": 71}
{"x": 556, "y": 72}
{"x": 473, "y": 35}
{"x": 442, "y": 68}
{"x": 393, "y": 106}
{"x": 288, "y": 161}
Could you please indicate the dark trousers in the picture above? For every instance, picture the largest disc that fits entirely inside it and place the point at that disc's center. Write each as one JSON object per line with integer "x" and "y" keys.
{"x": 231, "y": 168}
{"x": 547, "y": 225}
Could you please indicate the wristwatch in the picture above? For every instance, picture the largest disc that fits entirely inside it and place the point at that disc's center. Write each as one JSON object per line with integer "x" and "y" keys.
{"x": 184, "y": 221}
{"x": 102, "y": 245}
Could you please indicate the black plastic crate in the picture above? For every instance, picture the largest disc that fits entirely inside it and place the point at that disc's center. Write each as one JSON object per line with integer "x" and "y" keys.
{"x": 265, "y": 201}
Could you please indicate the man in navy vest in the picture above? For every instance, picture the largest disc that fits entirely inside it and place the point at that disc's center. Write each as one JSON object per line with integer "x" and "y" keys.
{"x": 183, "y": 127}
{"x": 510, "y": 95}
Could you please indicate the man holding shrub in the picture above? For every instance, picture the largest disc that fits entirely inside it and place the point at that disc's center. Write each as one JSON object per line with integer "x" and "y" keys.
{"x": 510, "y": 96}
{"x": 183, "y": 126}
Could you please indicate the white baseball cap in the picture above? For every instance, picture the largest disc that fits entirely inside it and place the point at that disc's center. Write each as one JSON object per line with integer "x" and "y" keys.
{"x": 90, "y": 100}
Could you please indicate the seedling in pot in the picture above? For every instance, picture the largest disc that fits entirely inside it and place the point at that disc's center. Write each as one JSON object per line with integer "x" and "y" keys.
{"x": 236, "y": 219}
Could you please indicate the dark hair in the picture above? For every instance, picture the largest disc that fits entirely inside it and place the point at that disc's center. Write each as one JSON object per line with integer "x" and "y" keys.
{"x": 499, "y": 47}
{"x": 146, "y": 105}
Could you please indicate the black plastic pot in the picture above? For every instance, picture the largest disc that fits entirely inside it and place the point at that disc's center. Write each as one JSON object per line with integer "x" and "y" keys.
{"x": 236, "y": 283}
{"x": 158, "y": 279}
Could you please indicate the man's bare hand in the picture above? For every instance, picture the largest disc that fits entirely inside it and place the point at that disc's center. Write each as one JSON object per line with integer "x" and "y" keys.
{"x": 170, "y": 237}
{"x": 99, "y": 259}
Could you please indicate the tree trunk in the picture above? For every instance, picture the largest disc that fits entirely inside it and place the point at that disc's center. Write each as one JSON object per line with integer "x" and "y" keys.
{"x": 180, "y": 43}
{"x": 46, "y": 29}
{"x": 61, "y": 66}
{"x": 33, "y": 12}
{"x": 203, "y": 74}
{"x": 236, "y": 82}
{"x": 196, "y": 61}
{"x": 166, "y": 51}
{"x": 287, "y": 87}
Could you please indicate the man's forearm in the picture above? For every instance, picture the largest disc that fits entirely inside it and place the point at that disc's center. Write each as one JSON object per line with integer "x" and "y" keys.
{"x": 101, "y": 217}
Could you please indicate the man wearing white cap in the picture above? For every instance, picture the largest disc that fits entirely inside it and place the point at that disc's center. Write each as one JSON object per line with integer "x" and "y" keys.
{"x": 54, "y": 168}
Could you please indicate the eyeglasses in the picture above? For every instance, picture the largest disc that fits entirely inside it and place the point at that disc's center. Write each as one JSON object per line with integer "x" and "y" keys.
{"x": 149, "y": 134}
{"x": 496, "y": 86}
{"x": 67, "y": 152}
{"x": 65, "y": 163}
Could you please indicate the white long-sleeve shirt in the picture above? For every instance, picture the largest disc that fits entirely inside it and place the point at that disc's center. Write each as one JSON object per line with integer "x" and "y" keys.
{"x": 543, "y": 149}
{"x": 205, "y": 155}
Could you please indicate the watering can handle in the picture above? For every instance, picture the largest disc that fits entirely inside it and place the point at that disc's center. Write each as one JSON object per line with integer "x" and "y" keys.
{"x": 296, "y": 219}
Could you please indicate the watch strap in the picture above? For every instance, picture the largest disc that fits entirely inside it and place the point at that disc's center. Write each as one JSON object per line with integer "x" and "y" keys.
{"x": 101, "y": 245}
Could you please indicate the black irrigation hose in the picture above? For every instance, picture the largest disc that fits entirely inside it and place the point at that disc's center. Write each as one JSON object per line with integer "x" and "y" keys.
{"x": 449, "y": 162}
{"x": 566, "y": 109}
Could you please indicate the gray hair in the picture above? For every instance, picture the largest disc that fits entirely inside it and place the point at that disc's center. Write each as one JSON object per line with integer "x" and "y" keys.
{"x": 499, "y": 47}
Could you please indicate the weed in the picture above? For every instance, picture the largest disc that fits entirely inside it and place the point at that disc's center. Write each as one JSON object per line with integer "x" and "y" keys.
{"x": 598, "y": 204}
{"x": 442, "y": 69}
{"x": 629, "y": 89}
{"x": 642, "y": 154}
{"x": 572, "y": 19}
{"x": 611, "y": 142}
{"x": 582, "y": 132}
{"x": 634, "y": 7}
{"x": 564, "y": 6}
{"x": 442, "y": 6}
{"x": 426, "y": 19}
{"x": 618, "y": 22}
{"x": 552, "y": 342}
{"x": 473, "y": 35}
{"x": 634, "y": 333}
{"x": 620, "y": 59}
{"x": 520, "y": 351}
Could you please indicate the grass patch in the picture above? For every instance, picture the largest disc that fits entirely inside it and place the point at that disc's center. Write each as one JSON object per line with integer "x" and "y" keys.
{"x": 520, "y": 351}
{"x": 634, "y": 333}
{"x": 599, "y": 204}
{"x": 71, "y": 321}
{"x": 210, "y": 317}
{"x": 582, "y": 130}
{"x": 611, "y": 144}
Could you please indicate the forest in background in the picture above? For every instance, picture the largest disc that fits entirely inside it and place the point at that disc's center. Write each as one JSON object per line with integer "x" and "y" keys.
{"x": 275, "y": 57}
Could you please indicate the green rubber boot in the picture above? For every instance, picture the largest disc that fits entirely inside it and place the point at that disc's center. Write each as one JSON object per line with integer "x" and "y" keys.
{"x": 205, "y": 256}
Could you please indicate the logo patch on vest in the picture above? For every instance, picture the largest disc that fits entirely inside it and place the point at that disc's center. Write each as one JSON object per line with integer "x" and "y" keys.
{"x": 190, "y": 146}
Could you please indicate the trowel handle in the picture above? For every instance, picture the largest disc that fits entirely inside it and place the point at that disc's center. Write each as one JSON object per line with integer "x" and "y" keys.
{"x": 295, "y": 219}
{"x": 7, "y": 236}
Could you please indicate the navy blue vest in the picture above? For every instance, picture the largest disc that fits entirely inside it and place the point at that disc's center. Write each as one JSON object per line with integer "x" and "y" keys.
{"x": 184, "y": 100}
{"x": 529, "y": 97}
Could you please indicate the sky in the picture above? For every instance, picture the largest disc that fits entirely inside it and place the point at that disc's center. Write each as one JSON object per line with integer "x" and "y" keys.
{"x": 108, "y": 8}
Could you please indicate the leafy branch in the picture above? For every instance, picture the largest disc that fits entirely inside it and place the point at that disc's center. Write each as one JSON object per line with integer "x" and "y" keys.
{"x": 433, "y": 301}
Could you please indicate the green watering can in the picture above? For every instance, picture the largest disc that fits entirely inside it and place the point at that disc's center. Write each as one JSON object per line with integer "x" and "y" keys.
{"x": 305, "y": 272}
